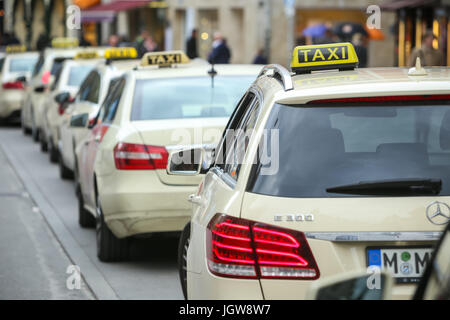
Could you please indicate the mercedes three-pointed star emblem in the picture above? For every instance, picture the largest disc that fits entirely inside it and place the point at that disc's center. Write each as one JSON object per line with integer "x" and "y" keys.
{"x": 438, "y": 213}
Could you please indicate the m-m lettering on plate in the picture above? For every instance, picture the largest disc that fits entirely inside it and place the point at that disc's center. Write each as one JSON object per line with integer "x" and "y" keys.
{"x": 322, "y": 54}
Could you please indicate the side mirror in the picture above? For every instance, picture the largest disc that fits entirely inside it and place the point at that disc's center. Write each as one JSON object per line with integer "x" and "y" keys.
{"x": 62, "y": 97}
{"x": 186, "y": 162}
{"x": 39, "y": 89}
{"x": 79, "y": 120}
{"x": 353, "y": 286}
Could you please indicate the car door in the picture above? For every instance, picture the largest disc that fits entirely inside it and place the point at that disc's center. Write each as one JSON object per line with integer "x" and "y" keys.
{"x": 218, "y": 193}
{"x": 103, "y": 120}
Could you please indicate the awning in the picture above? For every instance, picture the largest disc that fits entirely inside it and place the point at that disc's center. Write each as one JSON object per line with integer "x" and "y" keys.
{"x": 400, "y": 4}
{"x": 107, "y": 11}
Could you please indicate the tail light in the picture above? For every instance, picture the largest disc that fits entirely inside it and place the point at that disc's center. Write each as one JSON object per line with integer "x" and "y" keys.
{"x": 46, "y": 77}
{"x": 13, "y": 85}
{"x": 246, "y": 249}
{"x": 128, "y": 156}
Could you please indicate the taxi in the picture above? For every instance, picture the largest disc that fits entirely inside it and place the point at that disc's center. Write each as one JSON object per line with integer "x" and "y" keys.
{"x": 49, "y": 62}
{"x": 63, "y": 89}
{"x": 165, "y": 104}
{"x": 321, "y": 170}
{"x": 15, "y": 70}
{"x": 88, "y": 100}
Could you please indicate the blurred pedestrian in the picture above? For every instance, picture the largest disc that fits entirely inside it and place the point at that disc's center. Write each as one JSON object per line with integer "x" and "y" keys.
{"x": 359, "y": 44}
{"x": 83, "y": 41}
{"x": 191, "y": 45}
{"x": 221, "y": 53}
{"x": 42, "y": 42}
{"x": 427, "y": 54}
{"x": 328, "y": 37}
{"x": 260, "y": 57}
{"x": 145, "y": 43}
{"x": 113, "y": 40}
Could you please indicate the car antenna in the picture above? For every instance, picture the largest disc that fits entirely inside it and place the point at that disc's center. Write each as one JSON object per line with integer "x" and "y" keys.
{"x": 212, "y": 72}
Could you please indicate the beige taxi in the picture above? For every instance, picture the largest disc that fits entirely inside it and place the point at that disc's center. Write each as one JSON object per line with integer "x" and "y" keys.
{"x": 49, "y": 62}
{"x": 15, "y": 71}
{"x": 165, "y": 104}
{"x": 62, "y": 92}
{"x": 88, "y": 100}
{"x": 320, "y": 171}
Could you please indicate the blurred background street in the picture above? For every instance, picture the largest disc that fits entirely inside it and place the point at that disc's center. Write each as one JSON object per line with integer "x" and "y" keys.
{"x": 385, "y": 32}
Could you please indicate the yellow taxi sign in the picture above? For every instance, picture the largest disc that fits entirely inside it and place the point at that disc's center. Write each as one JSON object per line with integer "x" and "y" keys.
{"x": 62, "y": 42}
{"x": 16, "y": 48}
{"x": 164, "y": 59}
{"x": 88, "y": 54}
{"x": 121, "y": 53}
{"x": 340, "y": 56}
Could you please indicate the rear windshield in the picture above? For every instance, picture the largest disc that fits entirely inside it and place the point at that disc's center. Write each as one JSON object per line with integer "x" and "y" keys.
{"x": 22, "y": 64}
{"x": 190, "y": 97}
{"x": 77, "y": 74}
{"x": 57, "y": 65}
{"x": 324, "y": 147}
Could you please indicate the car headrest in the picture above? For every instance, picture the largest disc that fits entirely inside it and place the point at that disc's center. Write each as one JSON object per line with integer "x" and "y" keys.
{"x": 415, "y": 152}
{"x": 444, "y": 136}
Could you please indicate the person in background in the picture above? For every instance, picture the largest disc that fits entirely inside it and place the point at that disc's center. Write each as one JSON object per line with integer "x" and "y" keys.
{"x": 191, "y": 45}
{"x": 260, "y": 57}
{"x": 113, "y": 40}
{"x": 360, "y": 48}
{"x": 328, "y": 37}
{"x": 427, "y": 54}
{"x": 221, "y": 53}
{"x": 83, "y": 41}
{"x": 145, "y": 43}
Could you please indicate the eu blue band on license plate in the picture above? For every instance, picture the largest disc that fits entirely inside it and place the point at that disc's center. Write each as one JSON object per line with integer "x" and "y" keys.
{"x": 374, "y": 257}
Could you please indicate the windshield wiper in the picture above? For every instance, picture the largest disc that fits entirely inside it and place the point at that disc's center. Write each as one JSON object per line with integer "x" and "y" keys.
{"x": 400, "y": 187}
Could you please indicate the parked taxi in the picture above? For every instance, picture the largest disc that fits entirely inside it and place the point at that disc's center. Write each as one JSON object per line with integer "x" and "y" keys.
{"x": 322, "y": 170}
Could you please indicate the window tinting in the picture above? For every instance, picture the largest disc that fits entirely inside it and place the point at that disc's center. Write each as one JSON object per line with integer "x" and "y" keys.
{"x": 1, "y": 63}
{"x": 188, "y": 97}
{"x": 323, "y": 147}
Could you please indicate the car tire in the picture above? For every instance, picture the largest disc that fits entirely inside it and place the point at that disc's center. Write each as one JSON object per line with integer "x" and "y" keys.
{"x": 44, "y": 144}
{"x": 183, "y": 246}
{"x": 85, "y": 218}
{"x": 109, "y": 247}
{"x": 53, "y": 153}
{"x": 26, "y": 131}
{"x": 64, "y": 172}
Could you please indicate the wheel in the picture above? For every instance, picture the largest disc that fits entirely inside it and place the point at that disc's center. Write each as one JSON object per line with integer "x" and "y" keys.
{"x": 43, "y": 142}
{"x": 25, "y": 130}
{"x": 109, "y": 247}
{"x": 183, "y": 247}
{"x": 85, "y": 218}
{"x": 34, "y": 131}
{"x": 64, "y": 172}
{"x": 53, "y": 153}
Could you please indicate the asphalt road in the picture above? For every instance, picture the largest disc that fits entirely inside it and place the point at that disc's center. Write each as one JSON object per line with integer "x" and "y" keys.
{"x": 40, "y": 238}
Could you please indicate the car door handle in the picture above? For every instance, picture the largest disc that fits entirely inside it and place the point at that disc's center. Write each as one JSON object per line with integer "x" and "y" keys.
{"x": 195, "y": 199}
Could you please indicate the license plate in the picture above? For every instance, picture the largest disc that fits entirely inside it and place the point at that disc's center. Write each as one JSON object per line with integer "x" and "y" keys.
{"x": 406, "y": 264}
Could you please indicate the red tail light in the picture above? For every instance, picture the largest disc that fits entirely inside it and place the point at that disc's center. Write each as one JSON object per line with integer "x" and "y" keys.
{"x": 46, "y": 77}
{"x": 13, "y": 85}
{"x": 246, "y": 249}
{"x": 128, "y": 156}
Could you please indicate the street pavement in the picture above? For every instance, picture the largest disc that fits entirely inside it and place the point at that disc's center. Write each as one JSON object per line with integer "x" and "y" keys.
{"x": 40, "y": 238}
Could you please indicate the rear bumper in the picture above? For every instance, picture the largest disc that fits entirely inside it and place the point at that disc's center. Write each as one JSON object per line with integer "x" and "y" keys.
{"x": 138, "y": 203}
{"x": 11, "y": 104}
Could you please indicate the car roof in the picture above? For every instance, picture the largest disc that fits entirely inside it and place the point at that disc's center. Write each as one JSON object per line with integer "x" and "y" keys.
{"x": 22, "y": 55}
{"x": 358, "y": 83}
{"x": 195, "y": 69}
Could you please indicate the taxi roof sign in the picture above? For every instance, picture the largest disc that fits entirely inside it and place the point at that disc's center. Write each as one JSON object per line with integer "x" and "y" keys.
{"x": 62, "y": 42}
{"x": 340, "y": 56}
{"x": 87, "y": 54}
{"x": 16, "y": 48}
{"x": 121, "y": 53}
{"x": 164, "y": 58}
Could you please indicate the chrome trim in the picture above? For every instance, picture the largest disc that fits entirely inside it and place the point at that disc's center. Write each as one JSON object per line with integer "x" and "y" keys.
{"x": 282, "y": 71}
{"x": 224, "y": 176}
{"x": 374, "y": 236}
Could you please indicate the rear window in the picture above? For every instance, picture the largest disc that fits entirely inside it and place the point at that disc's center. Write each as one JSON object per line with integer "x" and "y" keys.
{"x": 22, "y": 64}
{"x": 1, "y": 63}
{"x": 190, "y": 97}
{"x": 77, "y": 74}
{"x": 322, "y": 147}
